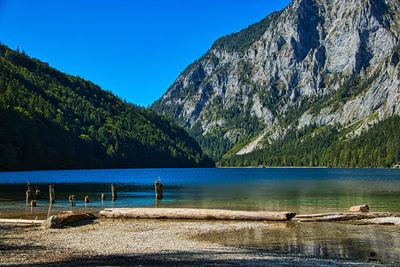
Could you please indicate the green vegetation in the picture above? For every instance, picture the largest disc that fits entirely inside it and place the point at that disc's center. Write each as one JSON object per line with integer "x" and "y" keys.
{"x": 314, "y": 147}
{"x": 240, "y": 41}
{"x": 50, "y": 120}
{"x": 214, "y": 144}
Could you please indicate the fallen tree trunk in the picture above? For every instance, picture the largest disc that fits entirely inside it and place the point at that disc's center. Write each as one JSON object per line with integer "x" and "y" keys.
{"x": 65, "y": 219}
{"x": 341, "y": 216}
{"x": 21, "y": 221}
{"x": 196, "y": 214}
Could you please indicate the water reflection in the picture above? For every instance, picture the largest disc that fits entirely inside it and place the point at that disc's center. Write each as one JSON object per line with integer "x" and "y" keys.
{"x": 299, "y": 190}
{"x": 321, "y": 240}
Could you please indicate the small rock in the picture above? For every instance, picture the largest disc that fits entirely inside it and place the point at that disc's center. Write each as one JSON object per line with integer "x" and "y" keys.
{"x": 360, "y": 208}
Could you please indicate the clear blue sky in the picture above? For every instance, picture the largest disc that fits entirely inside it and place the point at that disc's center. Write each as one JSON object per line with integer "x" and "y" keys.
{"x": 136, "y": 49}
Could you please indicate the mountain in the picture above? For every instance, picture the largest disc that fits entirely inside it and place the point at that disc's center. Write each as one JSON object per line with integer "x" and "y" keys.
{"x": 50, "y": 120}
{"x": 323, "y": 71}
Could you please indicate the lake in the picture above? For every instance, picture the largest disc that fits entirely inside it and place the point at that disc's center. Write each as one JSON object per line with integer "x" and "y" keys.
{"x": 301, "y": 190}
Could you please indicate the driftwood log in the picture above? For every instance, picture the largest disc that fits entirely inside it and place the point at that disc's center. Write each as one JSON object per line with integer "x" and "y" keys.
{"x": 66, "y": 219}
{"x": 337, "y": 216}
{"x": 196, "y": 214}
{"x": 21, "y": 221}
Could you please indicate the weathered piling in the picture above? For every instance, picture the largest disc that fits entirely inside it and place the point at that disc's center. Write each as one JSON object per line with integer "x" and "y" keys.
{"x": 29, "y": 186}
{"x": 51, "y": 193}
{"x": 30, "y": 195}
{"x": 158, "y": 188}
{"x": 103, "y": 197}
{"x": 33, "y": 203}
{"x": 87, "y": 199}
{"x": 37, "y": 194}
{"x": 71, "y": 199}
{"x": 113, "y": 192}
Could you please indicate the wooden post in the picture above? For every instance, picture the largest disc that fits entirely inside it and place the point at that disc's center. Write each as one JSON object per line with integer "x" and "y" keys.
{"x": 158, "y": 189}
{"x": 37, "y": 194}
{"x": 29, "y": 186}
{"x": 29, "y": 197}
{"x": 113, "y": 192}
{"x": 86, "y": 199}
{"x": 71, "y": 199}
{"x": 33, "y": 203}
{"x": 51, "y": 193}
{"x": 29, "y": 193}
{"x": 103, "y": 197}
{"x": 157, "y": 202}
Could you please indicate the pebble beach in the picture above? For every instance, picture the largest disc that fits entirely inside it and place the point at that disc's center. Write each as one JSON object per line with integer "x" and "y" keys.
{"x": 115, "y": 242}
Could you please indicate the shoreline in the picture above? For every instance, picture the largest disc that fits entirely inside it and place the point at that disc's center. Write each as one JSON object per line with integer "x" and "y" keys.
{"x": 215, "y": 167}
{"x": 152, "y": 242}
{"x": 145, "y": 242}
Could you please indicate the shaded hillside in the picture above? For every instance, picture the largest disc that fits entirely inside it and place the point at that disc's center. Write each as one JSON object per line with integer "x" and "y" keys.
{"x": 50, "y": 120}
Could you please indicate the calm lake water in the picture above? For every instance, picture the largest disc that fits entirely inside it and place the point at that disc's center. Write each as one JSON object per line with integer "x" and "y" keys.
{"x": 300, "y": 190}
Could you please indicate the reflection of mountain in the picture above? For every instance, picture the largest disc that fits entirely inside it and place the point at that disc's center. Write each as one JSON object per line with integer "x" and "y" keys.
{"x": 320, "y": 240}
{"x": 298, "y": 88}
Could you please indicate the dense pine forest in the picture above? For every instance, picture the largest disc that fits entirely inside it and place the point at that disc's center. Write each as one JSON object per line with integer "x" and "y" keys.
{"x": 51, "y": 120}
{"x": 328, "y": 147}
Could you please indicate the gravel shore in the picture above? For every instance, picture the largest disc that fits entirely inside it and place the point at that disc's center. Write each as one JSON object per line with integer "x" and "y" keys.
{"x": 108, "y": 242}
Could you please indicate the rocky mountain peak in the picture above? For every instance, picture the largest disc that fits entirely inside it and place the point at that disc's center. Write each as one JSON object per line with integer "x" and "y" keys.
{"x": 317, "y": 62}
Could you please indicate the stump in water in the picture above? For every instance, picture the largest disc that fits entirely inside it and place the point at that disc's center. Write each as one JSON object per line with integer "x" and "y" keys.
{"x": 51, "y": 193}
{"x": 86, "y": 199}
{"x": 30, "y": 195}
{"x": 33, "y": 203}
{"x": 37, "y": 194}
{"x": 103, "y": 197}
{"x": 113, "y": 192}
{"x": 158, "y": 189}
{"x": 29, "y": 186}
{"x": 71, "y": 199}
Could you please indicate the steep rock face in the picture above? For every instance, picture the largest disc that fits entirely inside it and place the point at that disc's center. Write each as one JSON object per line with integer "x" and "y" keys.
{"x": 317, "y": 62}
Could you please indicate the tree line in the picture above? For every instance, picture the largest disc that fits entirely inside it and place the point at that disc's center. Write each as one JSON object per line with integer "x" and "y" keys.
{"x": 328, "y": 147}
{"x": 51, "y": 120}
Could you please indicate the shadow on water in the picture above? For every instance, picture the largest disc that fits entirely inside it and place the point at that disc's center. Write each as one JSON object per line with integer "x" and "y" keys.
{"x": 321, "y": 240}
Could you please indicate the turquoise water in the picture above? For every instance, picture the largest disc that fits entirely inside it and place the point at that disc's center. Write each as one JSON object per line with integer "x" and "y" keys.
{"x": 300, "y": 190}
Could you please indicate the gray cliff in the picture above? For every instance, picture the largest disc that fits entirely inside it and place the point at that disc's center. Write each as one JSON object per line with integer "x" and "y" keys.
{"x": 322, "y": 62}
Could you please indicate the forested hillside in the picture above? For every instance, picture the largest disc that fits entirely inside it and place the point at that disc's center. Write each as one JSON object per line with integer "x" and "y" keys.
{"x": 328, "y": 146}
{"x": 50, "y": 120}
